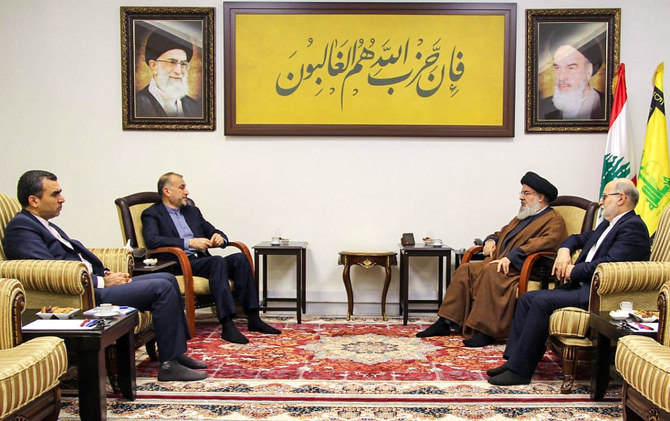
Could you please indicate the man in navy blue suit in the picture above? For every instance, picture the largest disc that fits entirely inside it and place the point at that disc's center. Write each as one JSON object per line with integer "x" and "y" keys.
{"x": 30, "y": 235}
{"x": 622, "y": 236}
{"x": 172, "y": 222}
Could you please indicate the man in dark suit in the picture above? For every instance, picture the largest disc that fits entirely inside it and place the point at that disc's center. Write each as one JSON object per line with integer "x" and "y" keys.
{"x": 172, "y": 222}
{"x": 30, "y": 235}
{"x": 622, "y": 236}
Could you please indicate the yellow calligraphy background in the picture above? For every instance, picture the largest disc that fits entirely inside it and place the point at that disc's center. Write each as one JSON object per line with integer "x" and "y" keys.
{"x": 369, "y": 69}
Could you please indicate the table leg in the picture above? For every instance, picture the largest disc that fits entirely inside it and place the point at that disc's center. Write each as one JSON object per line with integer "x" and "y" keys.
{"x": 440, "y": 279}
{"x": 92, "y": 393}
{"x": 387, "y": 282}
{"x": 303, "y": 273}
{"x": 125, "y": 354}
{"x": 265, "y": 282}
{"x": 256, "y": 274}
{"x": 350, "y": 292}
{"x": 298, "y": 288}
{"x": 448, "y": 272}
{"x": 404, "y": 287}
{"x": 600, "y": 367}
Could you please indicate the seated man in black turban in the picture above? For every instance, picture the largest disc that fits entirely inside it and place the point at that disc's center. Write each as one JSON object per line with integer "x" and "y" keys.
{"x": 622, "y": 236}
{"x": 481, "y": 296}
{"x": 168, "y": 56}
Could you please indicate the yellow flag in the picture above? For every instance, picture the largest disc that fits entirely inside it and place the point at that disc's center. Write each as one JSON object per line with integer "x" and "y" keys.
{"x": 654, "y": 180}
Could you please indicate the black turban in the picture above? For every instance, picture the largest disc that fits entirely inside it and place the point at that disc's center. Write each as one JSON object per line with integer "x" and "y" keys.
{"x": 540, "y": 185}
{"x": 572, "y": 34}
{"x": 161, "y": 41}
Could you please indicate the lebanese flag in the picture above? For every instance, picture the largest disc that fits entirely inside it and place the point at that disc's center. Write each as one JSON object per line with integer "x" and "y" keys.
{"x": 619, "y": 150}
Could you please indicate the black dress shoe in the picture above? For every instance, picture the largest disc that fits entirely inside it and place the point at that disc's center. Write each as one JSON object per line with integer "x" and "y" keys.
{"x": 191, "y": 363}
{"x": 172, "y": 371}
{"x": 439, "y": 328}
{"x": 498, "y": 370}
{"x": 478, "y": 340}
{"x": 508, "y": 378}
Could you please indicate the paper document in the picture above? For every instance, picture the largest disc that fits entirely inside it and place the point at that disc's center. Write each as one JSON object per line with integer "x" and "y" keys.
{"x": 53, "y": 324}
{"x": 643, "y": 327}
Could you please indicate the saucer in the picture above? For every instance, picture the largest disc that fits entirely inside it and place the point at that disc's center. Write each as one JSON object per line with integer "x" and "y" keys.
{"x": 106, "y": 313}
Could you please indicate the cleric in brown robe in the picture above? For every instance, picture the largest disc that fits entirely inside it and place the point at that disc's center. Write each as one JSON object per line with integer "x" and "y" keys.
{"x": 481, "y": 297}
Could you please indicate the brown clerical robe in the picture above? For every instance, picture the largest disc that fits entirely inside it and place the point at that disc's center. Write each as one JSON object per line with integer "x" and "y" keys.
{"x": 483, "y": 299}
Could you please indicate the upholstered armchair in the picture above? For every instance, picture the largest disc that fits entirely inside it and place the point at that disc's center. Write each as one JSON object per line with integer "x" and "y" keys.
{"x": 30, "y": 371}
{"x": 639, "y": 282}
{"x": 68, "y": 283}
{"x": 195, "y": 289}
{"x": 579, "y": 215}
{"x": 644, "y": 365}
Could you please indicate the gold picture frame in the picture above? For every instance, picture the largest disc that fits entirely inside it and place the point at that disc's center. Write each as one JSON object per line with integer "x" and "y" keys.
{"x": 369, "y": 69}
{"x": 571, "y": 57}
{"x": 167, "y": 68}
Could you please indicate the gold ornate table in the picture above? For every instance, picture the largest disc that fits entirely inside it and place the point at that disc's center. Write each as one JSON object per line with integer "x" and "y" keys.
{"x": 366, "y": 260}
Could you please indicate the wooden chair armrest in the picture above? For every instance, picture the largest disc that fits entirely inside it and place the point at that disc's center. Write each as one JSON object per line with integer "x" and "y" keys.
{"x": 182, "y": 261}
{"x": 471, "y": 252}
{"x": 244, "y": 249}
{"x": 115, "y": 259}
{"x": 189, "y": 288}
{"x": 529, "y": 265}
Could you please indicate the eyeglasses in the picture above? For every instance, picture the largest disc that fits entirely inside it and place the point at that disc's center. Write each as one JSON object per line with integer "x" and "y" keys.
{"x": 171, "y": 63}
{"x": 604, "y": 196}
{"x": 525, "y": 193}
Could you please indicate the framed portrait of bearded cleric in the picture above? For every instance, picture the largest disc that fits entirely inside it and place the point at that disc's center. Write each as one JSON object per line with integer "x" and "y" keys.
{"x": 571, "y": 57}
{"x": 167, "y": 68}
{"x": 369, "y": 69}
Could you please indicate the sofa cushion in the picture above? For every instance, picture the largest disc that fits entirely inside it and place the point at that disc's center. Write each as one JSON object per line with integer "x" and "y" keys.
{"x": 645, "y": 365}
{"x": 29, "y": 370}
{"x": 571, "y": 322}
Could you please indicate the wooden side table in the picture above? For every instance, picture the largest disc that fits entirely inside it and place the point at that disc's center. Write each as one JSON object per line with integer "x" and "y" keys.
{"x": 366, "y": 260}
{"x": 442, "y": 253}
{"x": 89, "y": 349}
{"x": 295, "y": 248}
{"x": 607, "y": 331}
{"x": 161, "y": 266}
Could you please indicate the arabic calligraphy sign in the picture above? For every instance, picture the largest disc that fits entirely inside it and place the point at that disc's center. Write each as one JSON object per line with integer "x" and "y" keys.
{"x": 369, "y": 69}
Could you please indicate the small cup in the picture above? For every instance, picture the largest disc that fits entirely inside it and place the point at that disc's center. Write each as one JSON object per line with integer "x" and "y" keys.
{"x": 626, "y": 306}
{"x": 275, "y": 241}
{"x": 437, "y": 242}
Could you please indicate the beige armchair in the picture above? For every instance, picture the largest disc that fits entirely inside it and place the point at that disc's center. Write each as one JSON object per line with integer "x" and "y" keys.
{"x": 639, "y": 282}
{"x": 68, "y": 283}
{"x": 195, "y": 289}
{"x": 644, "y": 365}
{"x": 29, "y": 372}
{"x": 579, "y": 215}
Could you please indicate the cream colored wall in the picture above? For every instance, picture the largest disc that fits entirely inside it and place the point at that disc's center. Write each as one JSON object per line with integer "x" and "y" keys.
{"x": 61, "y": 110}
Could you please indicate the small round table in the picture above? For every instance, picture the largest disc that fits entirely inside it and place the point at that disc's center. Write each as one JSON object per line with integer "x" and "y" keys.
{"x": 366, "y": 260}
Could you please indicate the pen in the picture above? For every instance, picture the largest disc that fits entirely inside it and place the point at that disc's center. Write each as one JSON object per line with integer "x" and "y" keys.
{"x": 643, "y": 327}
{"x": 83, "y": 322}
{"x": 92, "y": 322}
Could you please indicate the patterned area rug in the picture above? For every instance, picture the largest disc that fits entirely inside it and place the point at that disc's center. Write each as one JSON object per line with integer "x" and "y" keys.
{"x": 328, "y": 368}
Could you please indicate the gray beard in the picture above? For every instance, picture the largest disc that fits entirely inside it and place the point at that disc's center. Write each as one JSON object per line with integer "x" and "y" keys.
{"x": 570, "y": 102}
{"x": 528, "y": 211}
{"x": 172, "y": 90}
